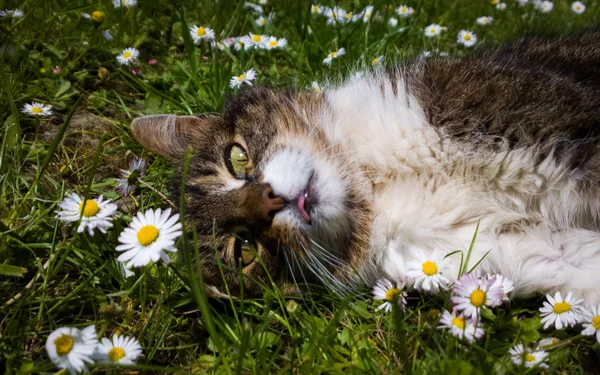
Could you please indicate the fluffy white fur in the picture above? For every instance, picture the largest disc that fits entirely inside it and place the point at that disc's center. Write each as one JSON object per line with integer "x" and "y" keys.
{"x": 430, "y": 193}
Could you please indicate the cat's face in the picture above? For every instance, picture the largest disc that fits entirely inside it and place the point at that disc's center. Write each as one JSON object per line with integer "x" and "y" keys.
{"x": 269, "y": 195}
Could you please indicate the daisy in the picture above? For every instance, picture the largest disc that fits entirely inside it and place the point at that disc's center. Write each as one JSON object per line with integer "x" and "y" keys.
{"x": 545, "y": 6}
{"x": 37, "y": 109}
{"x": 257, "y": 40}
{"x": 590, "y": 320}
{"x": 240, "y": 43}
{"x": 334, "y": 15}
{"x": 368, "y": 12}
{"x": 273, "y": 42}
{"x": 485, "y": 20}
{"x": 460, "y": 327}
{"x": 129, "y": 177}
{"x": 560, "y": 312}
{"x": 255, "y": 7}
{"x": 128, "y": 56}
{"x": 405, "y": 11}
{"x": 505, "y": 284}
{"x": 333, "y": 55}
{"x": 393, "y": 22}
{"x": 11, "y": 13}
{"x": 427, "y": 272}
{"x": 466, "y": 38}
{"x": 121, "y": 350}
{"x": 529, "y": 358}
{"x": 237, "y": 81}
{"x": 316, "y": 87}
{"x": 578, "y": 7}
{"x": 72, "y": 348}
{"x": 309, "y": 29}
{"x": 501, "y": 6}
{"x": 124, "y": 3}
{"x": 94, "y": 213}
{"x": 316, "y": 9}
{"x": 200, "y": 33}
{"x": 260, "y": 21}
{"x": 385, "y": 290}
{"x": 474, "y": 294}
{"x": 433, "y": 30}
{"x": 377, "y": 61}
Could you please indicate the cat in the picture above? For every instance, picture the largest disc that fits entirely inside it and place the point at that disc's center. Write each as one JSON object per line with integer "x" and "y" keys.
{"x": 348, "y": 185}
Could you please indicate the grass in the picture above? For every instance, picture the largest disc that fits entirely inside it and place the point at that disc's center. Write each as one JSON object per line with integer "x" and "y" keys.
{"x": 51, "y": 276}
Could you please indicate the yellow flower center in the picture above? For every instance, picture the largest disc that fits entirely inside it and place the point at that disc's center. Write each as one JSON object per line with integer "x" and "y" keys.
{"x": 432, "y": 30}
{"x": 467, "y": 37}
{"x": 495, "y": 2}
{"x": 529, "y": 358}
{"x": 147, "y": 235}
{"x": 256, "y": 38}
{"x": 97, "y": 16}
{"x": 478, "y": 298}
{"x": 403, "y": 10}
{"x": 317, "y": 89}
{"x": 333, "y": 54}
{"x": 91, "y": 208}
{"x": 241, "y": 77}
{"x": 37, "y": 110}
{"x": 261, "y": 21}
{"x": 367, "y": 15}
{"x": 116, "y": 354}
{"x": 64, "y": 344}
{"x": 348, "y": 15}
{"x": 333, "y": 15}
{"x": 458, "y": 322}
{"x": 273, "y": 43}
{"x": 392, "y": 294}
{"x": 201, "y": 31}
{"x": 561, "y": 307}
{"x": 596, "y": 322}
{"x": 126, "y": 54}
{"x": 315, "y": 9}
{"x": 430, "y": 268}
{"x": 375, "y": 60}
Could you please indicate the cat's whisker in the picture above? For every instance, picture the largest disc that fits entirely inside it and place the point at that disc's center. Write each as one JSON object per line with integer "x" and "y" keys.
{"x": 315, "y": 264}
{"x": 292, "y": 273}
{"x": 297, "y": 261}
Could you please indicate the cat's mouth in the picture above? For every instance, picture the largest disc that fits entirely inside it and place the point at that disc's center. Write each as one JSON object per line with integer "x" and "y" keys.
{"x": 306, "y": 201}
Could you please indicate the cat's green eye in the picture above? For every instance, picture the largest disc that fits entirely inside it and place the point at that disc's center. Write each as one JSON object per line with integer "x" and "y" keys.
{"x": 237, "y": 160}
{"x": 244, "y": 250}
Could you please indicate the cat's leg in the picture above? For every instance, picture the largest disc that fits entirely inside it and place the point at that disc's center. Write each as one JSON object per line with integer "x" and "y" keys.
{"x": 538, "y": 260}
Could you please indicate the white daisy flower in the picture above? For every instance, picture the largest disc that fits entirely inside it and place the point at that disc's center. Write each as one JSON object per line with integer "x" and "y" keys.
{"x": 529, "y": 358}
{"x": 560, "y": 312}
{"x": 37, "y": 109}
{"x": 124, "y": 3}
{"x": 247, "y": 77}
{"x": 505, "y": 284}
{"x": 460, "y": 326}
{"x": 405, "y": 11}
{"x": 367, "y": 13}
{"x": 273, "y": 42}
{"x": 466, "y": 38}
{"x": 128, "y": 56}
{"x": 377, "y": 61}
{"x": 316, "y": 9}
{"x": 474, "y": 294}
{"x": 333, "y": 55}
{"x": 200, "y": 33}
{"x": 129, "y": 177}
{"x": 147, "y": 238}
{"x": 544, "y": 6}
{"x": 578, "y": 7}
{"x": 97, "y": 213}
{"x": 72, "y": 348}
{"x": 427, "y": 272}
{"x": 350, "y": 17}
{"x": 485, "y": 20}
{"x": 126, "y": 272}
{"x": 590, "y": 320}
{"x": 501, "y": 6}
{"x": 385, "y": 290}
{"x": 433, "y": 30}
{"x": 315, "y": 86}
{"x": 11, "y": 13}
{"x": 257, "y": 40}
{"x": 334, "y": 15}
{"x": 393, "y": 22}
{"x": 255, "y": 7}
{"x": 121, "y": 350}
{"x": 261, "y": 21}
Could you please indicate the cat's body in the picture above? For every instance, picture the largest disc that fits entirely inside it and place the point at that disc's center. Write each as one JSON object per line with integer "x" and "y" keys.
{"x": 353, "y": 183}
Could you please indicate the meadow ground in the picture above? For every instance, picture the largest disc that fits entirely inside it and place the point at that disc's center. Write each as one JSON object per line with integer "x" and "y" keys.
{"x": 69, "y": 57}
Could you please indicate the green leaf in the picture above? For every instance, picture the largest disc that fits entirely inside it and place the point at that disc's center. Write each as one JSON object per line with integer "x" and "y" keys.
{"x": 8, "y": 270}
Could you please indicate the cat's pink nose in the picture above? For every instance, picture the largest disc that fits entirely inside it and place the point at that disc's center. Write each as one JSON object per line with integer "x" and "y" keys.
{"x": 270, "y": 204}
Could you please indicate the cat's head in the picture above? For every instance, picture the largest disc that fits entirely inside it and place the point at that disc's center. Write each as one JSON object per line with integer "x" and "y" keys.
{"x": 270, "y": 196}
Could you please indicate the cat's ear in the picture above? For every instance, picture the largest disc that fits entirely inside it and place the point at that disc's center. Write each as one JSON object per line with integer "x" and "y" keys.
{"x": 169, "y": 135}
